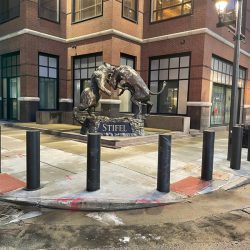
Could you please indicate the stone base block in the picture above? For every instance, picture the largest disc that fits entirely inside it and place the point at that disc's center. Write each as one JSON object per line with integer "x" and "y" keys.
{"x": 122, "y": 126}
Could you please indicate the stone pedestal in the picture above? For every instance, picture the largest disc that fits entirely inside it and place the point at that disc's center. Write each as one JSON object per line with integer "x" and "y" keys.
{"x": 122, "y": 126}
{"x": 110, "y": 107}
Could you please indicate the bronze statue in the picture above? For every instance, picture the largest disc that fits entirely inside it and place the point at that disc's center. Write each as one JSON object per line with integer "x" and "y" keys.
{"x": 126, "y": 78}
{"x": 123, "y": 77}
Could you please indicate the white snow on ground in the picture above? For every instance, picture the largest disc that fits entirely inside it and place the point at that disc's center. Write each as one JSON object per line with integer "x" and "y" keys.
{"x": 106, "y": 218}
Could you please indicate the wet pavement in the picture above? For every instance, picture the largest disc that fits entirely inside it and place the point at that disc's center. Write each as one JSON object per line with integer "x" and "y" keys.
{"x": 128, "y": 174}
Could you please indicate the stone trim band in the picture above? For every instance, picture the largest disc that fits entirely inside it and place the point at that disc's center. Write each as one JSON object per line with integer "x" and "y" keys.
{"x": 123, "y": 35}
{"x": 199, "y": 104}
{"x": 28, "y": 99}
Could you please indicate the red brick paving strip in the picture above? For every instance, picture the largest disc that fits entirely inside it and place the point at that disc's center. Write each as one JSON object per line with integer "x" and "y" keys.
{"x": 189, "y": 186}
{"x": 9, "y": 183}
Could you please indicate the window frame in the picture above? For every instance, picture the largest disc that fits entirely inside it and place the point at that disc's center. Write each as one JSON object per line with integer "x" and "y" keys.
{"x": 12, "y": 18}
{"x": 73, "y": 13}
{"x": 59, "y": 8}
{"x": 57, "y": 80}
{"x": 169, "y": 56}
{"x": 171, "y": 18}
{"x": 131, "y": 20}
{"x": 74, "y": 58}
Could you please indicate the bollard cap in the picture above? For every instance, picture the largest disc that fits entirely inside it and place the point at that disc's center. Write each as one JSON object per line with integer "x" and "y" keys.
{"x": 33, "y": 131}
{"x": 94, "y": 134}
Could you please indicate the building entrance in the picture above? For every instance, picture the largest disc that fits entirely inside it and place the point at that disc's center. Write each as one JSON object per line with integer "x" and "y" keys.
{"x": 10, "y": 86}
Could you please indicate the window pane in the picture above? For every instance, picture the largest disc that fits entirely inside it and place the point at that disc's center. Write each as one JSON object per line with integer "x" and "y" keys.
{"x": 174, "y": 62}
{"x": 84, "y": 73}
{"x": 90, "y": 72}
{"x": 163, "y": 75}
{"x": 47, "y": 93}
{"x": 155, "y": 64}
{"x": 187, "y": 9}
{"x": 77, "y": 74}
{"x": 9, "y": 9}
{"x": 153, "y": 98}
{"x": 130, "y": 62}
{"x": 52, "y": 73}
{"x": 154, "y": 75}
{"x": 164, "y": 63}
{"x": 173, "y": 74}
{"x": 43, "y": 60}
{"x": 49, "y": 9}
{"x": 43, "y": 71}
{"x": 77, "y": 63}
{"x": 91, "y": 62}
{"x": 184, "y": 73}
{"x": 184, "y": 61}
{"x": 98, "y": 60}
{"x": 84, "y": 62}
{"x": 182, "y": 97}
{"x": 123, "y": 61}
{"x": 52, "y": 62}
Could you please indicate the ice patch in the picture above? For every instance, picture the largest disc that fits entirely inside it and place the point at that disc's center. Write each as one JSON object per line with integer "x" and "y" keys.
{"x": 125, "y": 239}
{"x": 106, "y": 218}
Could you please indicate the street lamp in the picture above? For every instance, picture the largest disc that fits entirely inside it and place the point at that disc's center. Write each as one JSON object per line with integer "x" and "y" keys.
{"x": 228, "y": 19}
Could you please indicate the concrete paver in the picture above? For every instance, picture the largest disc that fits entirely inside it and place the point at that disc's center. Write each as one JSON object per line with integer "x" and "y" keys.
{"x": 128, "y": 174}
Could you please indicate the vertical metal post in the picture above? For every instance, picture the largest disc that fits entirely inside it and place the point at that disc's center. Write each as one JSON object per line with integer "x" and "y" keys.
{"x": 207, "y": 155}
{"x": 236, "y": 147}
{"x": 248, "y": 146}
{"x": 164, "y": 163}
{"x": 93, "y": 162}
{"x": 234, "y": 92}
{"x": 33, "y": 160}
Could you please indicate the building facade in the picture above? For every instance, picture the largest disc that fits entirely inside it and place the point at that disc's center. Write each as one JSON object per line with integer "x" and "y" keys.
{"x": 49, "y": 49}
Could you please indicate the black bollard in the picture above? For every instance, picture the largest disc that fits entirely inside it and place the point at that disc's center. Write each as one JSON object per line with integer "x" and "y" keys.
{"x": 93, "y": 162}
{"x": 248, "y": 153}
{"x": 207, "y": 155}
{"x": 236, "y": 147}
{"x": 33, "y": 160}
{"x": 164, "y": 163}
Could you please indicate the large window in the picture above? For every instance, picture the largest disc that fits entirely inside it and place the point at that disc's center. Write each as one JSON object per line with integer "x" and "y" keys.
{"x": 9, "y": 9}
{"x": 165, "y": 9}
{"x": 10, "y": 86}
{"x": 86, "y": 9}
{"x": 84, "y": 67}
{"x": 175, "y": 71}
{"x": 48, "y": 81}
{"x": 49, "y": 9}
{"x": 129, "y": 9}
{"x": 126, "y": 105}
{"x": 221, "y": 95}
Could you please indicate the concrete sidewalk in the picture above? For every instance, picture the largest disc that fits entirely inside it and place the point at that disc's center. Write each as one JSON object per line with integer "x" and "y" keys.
{"x": 128, "y": 174}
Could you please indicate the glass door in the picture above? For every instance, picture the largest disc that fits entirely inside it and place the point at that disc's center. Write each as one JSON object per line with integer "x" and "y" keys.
{"x": 10, "y": 86}
{"x": 10, "y": 98}
{"x": 218, "y": 106}
{"x": 227, "y": 105}
{"x": 168, "y": 99}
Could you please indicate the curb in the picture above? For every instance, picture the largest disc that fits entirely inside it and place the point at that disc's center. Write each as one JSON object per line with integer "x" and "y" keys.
{"x": 83, "y": 205}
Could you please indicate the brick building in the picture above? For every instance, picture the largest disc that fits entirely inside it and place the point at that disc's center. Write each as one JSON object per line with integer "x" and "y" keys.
{"x": 49, "y": 49}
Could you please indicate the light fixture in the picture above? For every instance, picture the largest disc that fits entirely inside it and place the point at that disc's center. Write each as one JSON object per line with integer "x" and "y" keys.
{"x": 221, "y": 6}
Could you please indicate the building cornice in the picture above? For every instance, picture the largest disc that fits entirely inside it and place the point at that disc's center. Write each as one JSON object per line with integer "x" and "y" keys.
{"x": 123, "y": 35}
